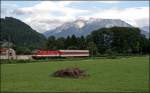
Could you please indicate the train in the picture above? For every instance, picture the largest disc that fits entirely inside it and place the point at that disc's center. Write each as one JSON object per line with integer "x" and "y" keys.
{"x": 60, "y": 53}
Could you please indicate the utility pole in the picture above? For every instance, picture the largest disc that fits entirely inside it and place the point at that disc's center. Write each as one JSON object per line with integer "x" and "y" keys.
{"x": 8, "y": 46}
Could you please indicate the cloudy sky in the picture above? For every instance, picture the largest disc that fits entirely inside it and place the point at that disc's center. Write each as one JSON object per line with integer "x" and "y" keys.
{"x": 45, "y": 15}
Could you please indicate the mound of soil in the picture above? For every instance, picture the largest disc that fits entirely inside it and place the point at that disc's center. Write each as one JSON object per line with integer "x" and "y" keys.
{"x": 70, "y": 72}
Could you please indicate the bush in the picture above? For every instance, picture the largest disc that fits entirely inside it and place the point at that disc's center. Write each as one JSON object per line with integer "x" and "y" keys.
{"x": 111, "y": 54}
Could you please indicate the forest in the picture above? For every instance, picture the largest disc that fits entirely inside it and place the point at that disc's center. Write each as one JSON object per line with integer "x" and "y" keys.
{"x": 115, "y": 40}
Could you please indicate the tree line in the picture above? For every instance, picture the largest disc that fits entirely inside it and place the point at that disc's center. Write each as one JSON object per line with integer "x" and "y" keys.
{"x": 115, "y": 40}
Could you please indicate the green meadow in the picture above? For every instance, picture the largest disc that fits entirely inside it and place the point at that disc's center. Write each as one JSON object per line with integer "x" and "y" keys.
{"x": 128, "y": 74}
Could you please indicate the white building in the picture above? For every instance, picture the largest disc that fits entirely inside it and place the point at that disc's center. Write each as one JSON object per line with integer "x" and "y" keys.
{"x": 7, "y": 53}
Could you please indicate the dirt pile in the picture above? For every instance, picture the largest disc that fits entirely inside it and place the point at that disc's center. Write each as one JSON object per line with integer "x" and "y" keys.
{"x": 70, "y": 72}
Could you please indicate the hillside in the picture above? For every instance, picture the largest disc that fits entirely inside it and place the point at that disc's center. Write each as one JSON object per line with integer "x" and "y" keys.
{"x": 20, "y": 34}
{"x": 145, "y": 31}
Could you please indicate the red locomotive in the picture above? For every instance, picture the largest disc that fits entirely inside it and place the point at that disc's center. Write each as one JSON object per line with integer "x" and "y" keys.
{"x": 60, "y": 53}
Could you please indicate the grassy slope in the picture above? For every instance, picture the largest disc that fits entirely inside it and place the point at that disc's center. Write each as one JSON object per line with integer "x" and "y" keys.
{"x": 109, "y": 75}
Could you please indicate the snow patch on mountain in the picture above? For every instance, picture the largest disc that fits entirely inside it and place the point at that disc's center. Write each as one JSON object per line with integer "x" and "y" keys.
{"x": 84, "y": 27}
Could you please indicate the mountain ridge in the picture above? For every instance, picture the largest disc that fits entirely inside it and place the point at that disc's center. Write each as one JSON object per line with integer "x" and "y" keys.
{"x": 81, "y": 27}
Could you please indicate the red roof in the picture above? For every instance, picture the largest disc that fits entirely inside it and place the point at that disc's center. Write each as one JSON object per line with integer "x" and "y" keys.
{"x": 3, "y": 49}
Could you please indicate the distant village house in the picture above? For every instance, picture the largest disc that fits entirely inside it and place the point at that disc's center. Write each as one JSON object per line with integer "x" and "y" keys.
{"x": 7, "y": 53}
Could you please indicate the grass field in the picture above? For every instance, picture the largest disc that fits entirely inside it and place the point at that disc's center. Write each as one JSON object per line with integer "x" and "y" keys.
{"x": 105, "y": 75}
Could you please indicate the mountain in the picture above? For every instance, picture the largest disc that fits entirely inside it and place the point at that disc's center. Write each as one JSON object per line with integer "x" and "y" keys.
{"x": 146, "y": 28}
{"x": 19, "y": 33}
{"x": 83, "y": 27}
{"x": 145, "y": 31}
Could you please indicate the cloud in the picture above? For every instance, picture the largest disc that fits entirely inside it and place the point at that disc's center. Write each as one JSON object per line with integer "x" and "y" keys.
{"x": 46, "y": 13}
{"x": 7, "y": 9}
{"x": 49, "y": 14}
{"x": 130, "y": 15}
{"x": 109, "y": 2}
{"x": 43, "y": 24}
{"x": 142, "y": 22}
{"x": 48, "y": 8}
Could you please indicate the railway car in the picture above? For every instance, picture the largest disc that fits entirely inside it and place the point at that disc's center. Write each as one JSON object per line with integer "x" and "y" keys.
{"x": 60, "y": 53}
{"x": 74, "y": 53}
{"x": 46, "y": 54}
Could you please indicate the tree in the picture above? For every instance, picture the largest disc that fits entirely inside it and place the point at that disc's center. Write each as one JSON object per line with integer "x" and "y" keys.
{"x": 60, "y": 43}
{"x": 71, "y": 42}
{"x": 92, "y": 48}
{"x": 144, "y": 45}
{"x": 81, "y": 42}
{"x": 22, "y": 50}
{"x": 67, "y": 42}
{"x": 119, "y": 39}
{"x": 51, "y": 43}
{"x": 74, "y": 41}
